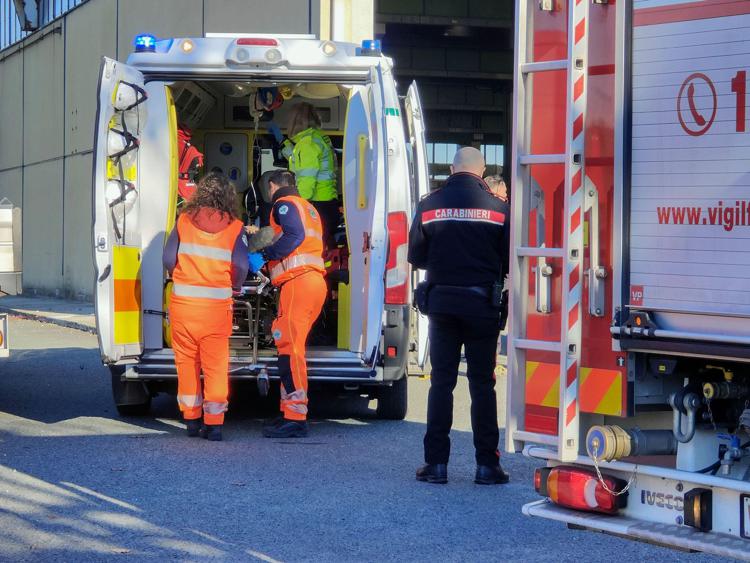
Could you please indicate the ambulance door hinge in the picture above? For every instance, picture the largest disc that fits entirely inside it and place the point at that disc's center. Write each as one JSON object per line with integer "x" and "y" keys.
{"x": 101, "y": 243}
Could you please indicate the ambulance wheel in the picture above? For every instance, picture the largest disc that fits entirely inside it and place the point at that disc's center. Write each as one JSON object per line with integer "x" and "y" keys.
{"x": 393, "y": 400}
{"x": 131, "y": 398}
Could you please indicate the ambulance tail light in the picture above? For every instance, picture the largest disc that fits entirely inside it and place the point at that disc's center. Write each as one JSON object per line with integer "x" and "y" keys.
{"x": 580, "y": 489}
{"x": 258, "y": 42}
{"x": 397, "y": 268}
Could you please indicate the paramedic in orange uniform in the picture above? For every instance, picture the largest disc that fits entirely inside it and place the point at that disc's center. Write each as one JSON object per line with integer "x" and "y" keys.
{"x": 295, "y": 264}
{"x": 206, "y": 256}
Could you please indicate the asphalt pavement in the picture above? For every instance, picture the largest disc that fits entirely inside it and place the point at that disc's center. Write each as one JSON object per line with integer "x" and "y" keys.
{"x": 80, "y": 483}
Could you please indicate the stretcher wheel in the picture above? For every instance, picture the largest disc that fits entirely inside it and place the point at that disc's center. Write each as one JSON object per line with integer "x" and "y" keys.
{"x": 263, "y": 384}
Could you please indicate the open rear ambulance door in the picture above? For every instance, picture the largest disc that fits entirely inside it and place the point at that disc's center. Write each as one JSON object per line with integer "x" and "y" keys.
{"x": 364, "y": 177}
{"x": 420, "y": 187}
{"x": 120, "y": 120}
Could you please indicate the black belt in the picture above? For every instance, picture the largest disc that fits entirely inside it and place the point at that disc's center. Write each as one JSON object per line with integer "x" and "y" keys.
{"x": 482, "y": 291}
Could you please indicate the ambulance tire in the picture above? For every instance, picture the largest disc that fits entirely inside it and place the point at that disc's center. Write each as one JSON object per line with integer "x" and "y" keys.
{"x": 131, "y": 398}
{"x": 393, "y": 400}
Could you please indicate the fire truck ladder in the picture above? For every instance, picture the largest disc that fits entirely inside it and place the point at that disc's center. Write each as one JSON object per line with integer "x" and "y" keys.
{"x": 571, "y": 253}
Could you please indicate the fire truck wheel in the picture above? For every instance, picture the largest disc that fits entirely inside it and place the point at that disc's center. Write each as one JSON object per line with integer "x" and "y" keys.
{"x": 131, "y": 398}
{"x": 393, "y": 400}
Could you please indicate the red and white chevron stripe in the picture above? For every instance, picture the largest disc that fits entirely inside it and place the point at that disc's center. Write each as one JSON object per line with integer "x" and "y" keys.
{"x": 574, "y": 180}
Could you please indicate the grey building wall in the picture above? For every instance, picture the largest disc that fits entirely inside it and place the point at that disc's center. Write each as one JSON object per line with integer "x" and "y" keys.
{"x": 47, "y": 104}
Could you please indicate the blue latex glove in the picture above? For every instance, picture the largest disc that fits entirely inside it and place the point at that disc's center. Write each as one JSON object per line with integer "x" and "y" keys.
{"x": 255, "y": 261}
{"x": 274, "y": 130}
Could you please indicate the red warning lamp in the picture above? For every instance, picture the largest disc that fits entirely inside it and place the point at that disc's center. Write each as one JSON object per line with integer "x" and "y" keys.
{"x": 258, "y": 41}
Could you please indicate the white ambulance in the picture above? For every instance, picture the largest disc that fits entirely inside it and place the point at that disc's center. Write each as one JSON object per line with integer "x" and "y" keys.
{"x": 630, "y": 314}
{"x": 367, "y": 331}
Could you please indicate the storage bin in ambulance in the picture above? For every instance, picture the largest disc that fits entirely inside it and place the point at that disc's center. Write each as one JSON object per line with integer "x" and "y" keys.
{"x": 209, "y": 84}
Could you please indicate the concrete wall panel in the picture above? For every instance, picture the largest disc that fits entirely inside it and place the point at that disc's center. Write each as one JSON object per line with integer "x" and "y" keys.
{"x": 43, "y": 92}
{"x": 11, "y": 113}
{"x": 90, "y": 35}
{"x": 162, "y": 18}
{"x": 241, "y": 16}
{"x": 78, "y": 263}
{"x": 10, "y": 186}
{"x": 42, "y": 227}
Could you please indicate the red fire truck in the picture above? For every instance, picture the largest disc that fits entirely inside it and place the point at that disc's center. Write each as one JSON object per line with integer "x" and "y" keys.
{"x": 629, "y": 338}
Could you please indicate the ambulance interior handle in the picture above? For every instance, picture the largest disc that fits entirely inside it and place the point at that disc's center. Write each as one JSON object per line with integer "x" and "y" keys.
{"x": 105, "y": 273}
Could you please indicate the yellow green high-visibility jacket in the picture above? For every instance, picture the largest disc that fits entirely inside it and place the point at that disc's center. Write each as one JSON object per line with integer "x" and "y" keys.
{"x": 311, "y": 158}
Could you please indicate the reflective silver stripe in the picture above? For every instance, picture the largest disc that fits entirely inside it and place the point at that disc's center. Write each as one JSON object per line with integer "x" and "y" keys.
{"x": 190, "y": 401}
{"x": 295, "y": 262}
{"x": 306, "y": 172}
{"x": 327, "y": 176}
{"x": 214, "y": 407}
{"x": 313, "y": 233}
{"x": 296, "y": 402}
{"x": 182, "y": 290}
{"x": 325, "y": 147}
{"x": 205, "y": 251}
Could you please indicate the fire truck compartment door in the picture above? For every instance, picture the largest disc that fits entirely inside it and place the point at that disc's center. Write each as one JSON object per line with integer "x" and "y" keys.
{"x": 689, "y": 206}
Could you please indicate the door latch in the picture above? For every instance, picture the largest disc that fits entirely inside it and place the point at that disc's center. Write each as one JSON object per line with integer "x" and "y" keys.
{"x": 101, "y": 243}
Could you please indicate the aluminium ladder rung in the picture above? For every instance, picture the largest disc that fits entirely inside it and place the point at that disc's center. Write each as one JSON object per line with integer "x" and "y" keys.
{"x": 540, "y": 345}
{"x": 529, "y": 159}
{"x": 544, "y": 66}
{"x": 540, "y": 252}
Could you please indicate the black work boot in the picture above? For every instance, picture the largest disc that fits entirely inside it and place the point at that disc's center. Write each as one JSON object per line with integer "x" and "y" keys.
{"x": 211, "y": 432}
{"x": 287, "y": 429}
{"x": 491, "y": 475}
{"x": 274, "y": 422}
{"x": 433, "y": 473}
{"x": 193, "y": 427}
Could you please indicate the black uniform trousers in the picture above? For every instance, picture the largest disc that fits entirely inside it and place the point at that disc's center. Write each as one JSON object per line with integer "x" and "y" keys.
{"x": 479, "y": 338}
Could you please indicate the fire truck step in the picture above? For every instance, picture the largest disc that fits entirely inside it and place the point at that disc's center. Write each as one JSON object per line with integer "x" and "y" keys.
{"x": 544, "y": 66}
{"x": 535, "y": 438}
{"x": 529, "y": 159}
{"x": 681, "y": 537}
{"x": 541, "y": 345}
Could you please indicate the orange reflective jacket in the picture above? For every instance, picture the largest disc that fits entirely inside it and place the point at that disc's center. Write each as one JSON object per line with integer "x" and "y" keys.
{"x": 308, "y": 255}
{"x": 204, "y": 262}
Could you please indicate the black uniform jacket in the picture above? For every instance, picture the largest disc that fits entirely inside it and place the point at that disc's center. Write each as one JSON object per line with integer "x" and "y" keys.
{"x": 460, "y": 235}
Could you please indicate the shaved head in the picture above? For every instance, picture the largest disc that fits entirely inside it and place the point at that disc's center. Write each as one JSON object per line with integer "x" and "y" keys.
{"x": 468, "y": 159}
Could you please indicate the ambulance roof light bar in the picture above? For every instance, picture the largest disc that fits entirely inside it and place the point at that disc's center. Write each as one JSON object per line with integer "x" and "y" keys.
{"x": 371, "y": 48}
{"x": 145, "y": 43}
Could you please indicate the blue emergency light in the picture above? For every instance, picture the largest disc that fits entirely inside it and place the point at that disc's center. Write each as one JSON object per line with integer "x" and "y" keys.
{"x": 145, "y": 43}
{"x": 371, "y": 48}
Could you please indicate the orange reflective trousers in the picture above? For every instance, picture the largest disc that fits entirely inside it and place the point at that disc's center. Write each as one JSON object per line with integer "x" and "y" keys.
{"x": 300, "y": 304}
{"x": 200, "y": 339}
